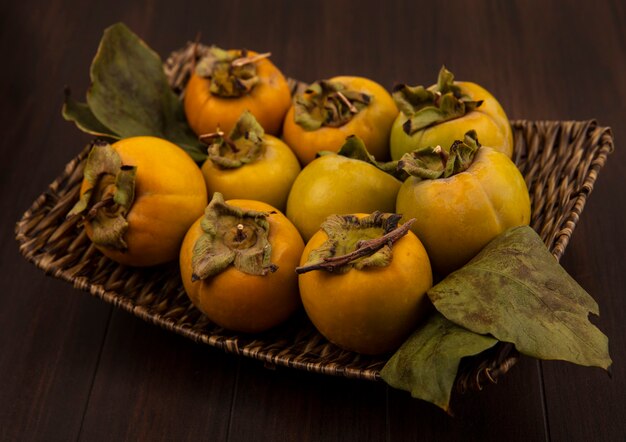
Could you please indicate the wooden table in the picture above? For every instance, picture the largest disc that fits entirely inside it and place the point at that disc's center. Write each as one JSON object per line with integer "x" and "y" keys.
{"x": 73, "y": 367}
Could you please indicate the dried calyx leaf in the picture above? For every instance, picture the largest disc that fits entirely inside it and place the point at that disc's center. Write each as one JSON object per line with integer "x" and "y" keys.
{"x": 232, "y": 236}
{"x": 108, "y": 197}
{"x": 434, "y": 162}
{"x": 130, "y": 96}
{"x": 243, "y": 145}
{"x": 328, "y": 103}
{"x": 355, "y": 148}
{"x": 426, "y": 107}
{"x": 426, "y": 364}
{"x": 356, "y": 242}
{"x": 516, "y": 291}
{"x": 233, "y": 74}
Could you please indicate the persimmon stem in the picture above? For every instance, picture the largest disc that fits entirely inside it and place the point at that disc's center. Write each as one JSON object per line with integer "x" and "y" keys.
{"x": 347, "y": 102}
{"x": 240, "y": 233}
{"x": 442, "y": 154}
{"x": 437, "y": 98}
{"x": 363, "y": 248}
{"x": 207, "y": 138}
{"x": 106, "y": 202}
{"x": 250, "y": 59}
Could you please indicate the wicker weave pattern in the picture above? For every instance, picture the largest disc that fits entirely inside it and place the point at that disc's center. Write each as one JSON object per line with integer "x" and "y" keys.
{"x": 560, "y": 162}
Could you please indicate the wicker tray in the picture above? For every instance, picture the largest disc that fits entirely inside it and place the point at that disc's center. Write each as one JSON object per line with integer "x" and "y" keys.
{"x": 560, "y": 161}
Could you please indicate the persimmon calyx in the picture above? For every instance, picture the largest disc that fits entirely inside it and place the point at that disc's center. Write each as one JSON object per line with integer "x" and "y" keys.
{"x": 356, "y": 242}
{"x": 232, "y": 235}
{"x": 109, "y": 196}
{"x": 427, "y": 107}
{"x": 243, "y": 145}
{"x": 431, "y": 163}
{"x": 232, "y": 75}
{"x": 355, "y": 149}
{"x": 328, "y": 103}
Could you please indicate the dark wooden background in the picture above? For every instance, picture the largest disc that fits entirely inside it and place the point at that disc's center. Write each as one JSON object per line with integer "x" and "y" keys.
{"x": 73, "y": 367}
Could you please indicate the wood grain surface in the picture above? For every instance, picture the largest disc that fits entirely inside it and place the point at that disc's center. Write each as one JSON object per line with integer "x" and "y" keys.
{"x": 75, "y": 368}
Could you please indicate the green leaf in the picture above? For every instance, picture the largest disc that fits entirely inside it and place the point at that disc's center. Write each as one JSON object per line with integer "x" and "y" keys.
{"x": 130, "y": 95}
{"x": 516, "y": 291}
{"x": 426, "y": 364}
{"x": 85, "y": 120}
